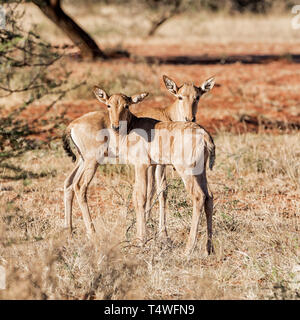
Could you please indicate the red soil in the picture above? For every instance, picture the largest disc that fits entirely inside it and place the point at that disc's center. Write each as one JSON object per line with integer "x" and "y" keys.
{"x": 268, "y": 92}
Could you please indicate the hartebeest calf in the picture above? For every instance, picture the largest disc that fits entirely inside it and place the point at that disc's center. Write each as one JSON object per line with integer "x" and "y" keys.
{"x": 184, "y": 108}
{"x": 83, "y": 132}
{"x": 145, "y": 142}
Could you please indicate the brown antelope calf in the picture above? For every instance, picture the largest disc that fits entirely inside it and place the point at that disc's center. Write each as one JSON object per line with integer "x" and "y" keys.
{"x": 184, "y": 108}
{"x": 186, "y": 146}
{"x": 83, "y": 131}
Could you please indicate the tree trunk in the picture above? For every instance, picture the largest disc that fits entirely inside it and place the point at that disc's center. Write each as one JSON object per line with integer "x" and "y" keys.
{"x": 88, "y": 47}
{"x": 166, "y": 16}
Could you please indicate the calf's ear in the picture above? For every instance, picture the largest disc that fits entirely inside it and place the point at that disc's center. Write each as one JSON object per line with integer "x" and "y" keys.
{"x": 207, "y": 85}
{"x": 101, "y": 95}
{"x": 139, "y": 97}
{"x": 170, "y": 85}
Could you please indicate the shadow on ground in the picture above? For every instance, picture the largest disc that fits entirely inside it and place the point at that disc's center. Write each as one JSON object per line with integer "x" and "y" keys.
{"x": 205, "y": 59}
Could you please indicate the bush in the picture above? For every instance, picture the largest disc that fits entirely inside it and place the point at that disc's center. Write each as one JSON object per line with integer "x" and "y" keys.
{"x": 25, "y": 64}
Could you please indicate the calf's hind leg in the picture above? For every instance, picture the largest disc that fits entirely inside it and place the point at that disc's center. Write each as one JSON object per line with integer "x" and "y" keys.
{"x": 69, "y": 195}
{"x": 86, "y": 175}
{"x": 202, "y": 199}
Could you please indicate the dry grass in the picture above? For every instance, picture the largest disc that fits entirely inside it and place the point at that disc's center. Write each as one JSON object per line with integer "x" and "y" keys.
{"x": 128, "y": 25}
{"x": 256, "y": 231}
